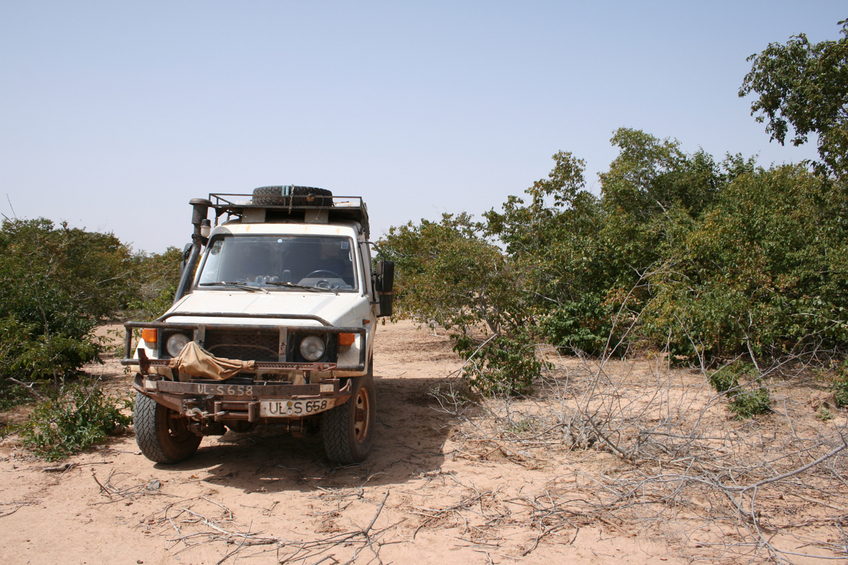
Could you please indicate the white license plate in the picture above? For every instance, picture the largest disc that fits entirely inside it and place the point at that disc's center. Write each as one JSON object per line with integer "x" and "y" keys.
{"x": 289, "y": 408}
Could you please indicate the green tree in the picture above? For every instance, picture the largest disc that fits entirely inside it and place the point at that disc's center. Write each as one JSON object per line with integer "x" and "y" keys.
{"x": 448, "y": 273}
{"x": 762, "y": 271}
{"x": 56, "y": 283}
{"x": 706, "y": 258}
{"x": 158, "y": 275}
{"x": 585, "y": 258}
{"x": 804, "y": 85}
{"x": 555, "y": 241}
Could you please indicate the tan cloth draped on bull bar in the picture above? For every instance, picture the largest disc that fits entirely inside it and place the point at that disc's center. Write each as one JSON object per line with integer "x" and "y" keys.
{"x": 195, "y": 361}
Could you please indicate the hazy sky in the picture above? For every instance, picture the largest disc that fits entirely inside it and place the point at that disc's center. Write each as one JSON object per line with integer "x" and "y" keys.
{"x": 113, "y": 115}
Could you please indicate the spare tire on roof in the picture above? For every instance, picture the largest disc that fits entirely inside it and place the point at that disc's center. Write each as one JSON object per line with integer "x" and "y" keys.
{"x": 268, "y": 195}
{"x": 289, "y": 195}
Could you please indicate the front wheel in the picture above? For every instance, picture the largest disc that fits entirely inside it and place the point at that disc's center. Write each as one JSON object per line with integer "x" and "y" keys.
{"x": 161, "y": 434}
{"x": 347, "y": 429}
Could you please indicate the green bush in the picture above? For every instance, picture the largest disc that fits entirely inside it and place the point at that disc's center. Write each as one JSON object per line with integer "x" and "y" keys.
{"x": 583, "y": 326}
{"x": 839, "y": 385}
{"x": 763, "y": 268}
{"x": 12, "y": 395}
{"x": 840, "y": 392}
{"x": 750, "y": 403}
{"x": 56, "y": 284}
{"x": 747, "y": 399}
{"x": 73, "y": 420}
{"x": 501, "y": 365}
{"x": 158, "y": 275}
{"x": 451, "y": 274}
{"x": 723, "y": 381}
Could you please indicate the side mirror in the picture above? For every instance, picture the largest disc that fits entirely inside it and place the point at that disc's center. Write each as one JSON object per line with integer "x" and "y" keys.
{"x": 385, "y": 280}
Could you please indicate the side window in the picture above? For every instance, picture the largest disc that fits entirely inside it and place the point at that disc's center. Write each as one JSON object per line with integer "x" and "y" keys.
{"x": 212, "y": 262}
{"x": 368, "y": 266}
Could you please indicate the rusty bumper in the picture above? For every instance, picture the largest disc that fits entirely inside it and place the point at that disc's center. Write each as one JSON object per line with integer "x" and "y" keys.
{"x": 220, "y": 401}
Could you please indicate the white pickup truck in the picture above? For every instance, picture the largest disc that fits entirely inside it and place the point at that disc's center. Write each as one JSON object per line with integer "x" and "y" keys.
{"x": 273, "y": 322}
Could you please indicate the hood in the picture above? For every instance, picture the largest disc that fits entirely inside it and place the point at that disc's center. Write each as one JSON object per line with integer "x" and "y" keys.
{"x": 343, "y": 309}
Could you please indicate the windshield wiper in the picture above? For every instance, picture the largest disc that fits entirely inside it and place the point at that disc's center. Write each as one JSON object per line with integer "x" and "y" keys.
{"x": 238, "y": 284}
{"x": 299, "y": 286}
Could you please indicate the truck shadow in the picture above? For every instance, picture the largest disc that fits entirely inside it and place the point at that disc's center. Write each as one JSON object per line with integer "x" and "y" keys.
{"x": 409, "y": 440}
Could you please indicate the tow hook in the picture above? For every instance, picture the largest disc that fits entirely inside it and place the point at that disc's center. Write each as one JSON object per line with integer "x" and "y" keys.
{"x": 198, "y": 414}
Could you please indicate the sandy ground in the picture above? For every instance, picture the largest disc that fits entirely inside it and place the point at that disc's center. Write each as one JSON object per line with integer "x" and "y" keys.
{"x": 422, "y": 497}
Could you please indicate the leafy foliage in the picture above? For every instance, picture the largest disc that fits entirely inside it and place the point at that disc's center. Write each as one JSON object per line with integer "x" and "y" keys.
{"x": 158, "y": 276}
{"x": 501, "y": 365}
{"x": 60, "y": 273}
{"x": 724, "y": 379}
{"x": 75, "y": 419}
{"x": 746, "y": 399}
{"x": 449, "y": 274}
{"x": 705, "y": 259}
{"x": 804, "y": 85}
{"x": 453, "y": 276}
{"x": 763, "y": 270}
{"x": 839, "y": 385}
{"x": 750, "y": 403}
{"x": 55, "y": 284}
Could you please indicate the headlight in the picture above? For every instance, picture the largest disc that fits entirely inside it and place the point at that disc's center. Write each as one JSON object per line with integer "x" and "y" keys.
{"x": 175, "y": 344}
{"x": 312, "y": 348}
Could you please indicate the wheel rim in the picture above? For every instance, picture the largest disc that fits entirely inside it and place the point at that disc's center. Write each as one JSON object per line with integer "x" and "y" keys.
{"x": 361, "y": 417}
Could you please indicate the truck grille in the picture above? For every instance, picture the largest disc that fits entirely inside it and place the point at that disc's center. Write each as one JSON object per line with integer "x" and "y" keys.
{"x": 246, "y": 345}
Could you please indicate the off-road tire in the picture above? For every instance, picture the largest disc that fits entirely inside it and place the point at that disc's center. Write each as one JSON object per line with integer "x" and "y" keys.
{"x": 160, "y": 435}
{"x": 292, "y": 196}
{"x": 347, "y": 430}
{"x": 268, "y": 195}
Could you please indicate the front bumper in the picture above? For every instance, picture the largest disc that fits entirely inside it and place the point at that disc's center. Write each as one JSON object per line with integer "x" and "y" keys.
{"x": 225, "y": 401}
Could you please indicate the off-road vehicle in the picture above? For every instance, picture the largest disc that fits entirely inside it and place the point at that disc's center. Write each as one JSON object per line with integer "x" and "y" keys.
{"x": 273, "y": 322}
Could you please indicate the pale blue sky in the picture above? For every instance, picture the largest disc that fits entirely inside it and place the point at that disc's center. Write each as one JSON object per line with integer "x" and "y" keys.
{"x": 114, "y": 114}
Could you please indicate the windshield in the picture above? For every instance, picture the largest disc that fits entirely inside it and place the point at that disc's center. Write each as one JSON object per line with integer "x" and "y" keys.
{"x": 279, "y": 262}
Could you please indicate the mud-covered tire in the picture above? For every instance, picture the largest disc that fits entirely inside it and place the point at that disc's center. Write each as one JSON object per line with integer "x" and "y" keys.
{"x": 347, "y": 430}
{"x": 160, "y": 435}
{"x": 292, "y": 196}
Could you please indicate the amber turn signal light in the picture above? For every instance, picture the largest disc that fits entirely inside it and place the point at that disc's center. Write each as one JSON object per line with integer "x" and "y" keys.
{"x": 346, "y": 340}
{"x": 149, "y": 335}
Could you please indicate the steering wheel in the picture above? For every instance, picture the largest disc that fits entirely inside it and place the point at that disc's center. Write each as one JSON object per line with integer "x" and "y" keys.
{"x": 323, "y": 273}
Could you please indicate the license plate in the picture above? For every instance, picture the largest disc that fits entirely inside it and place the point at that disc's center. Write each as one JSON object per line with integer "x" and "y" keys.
{"x": 290, "y": 408}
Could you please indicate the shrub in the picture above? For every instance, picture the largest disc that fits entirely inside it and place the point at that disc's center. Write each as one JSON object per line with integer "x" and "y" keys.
{"x": 744, "y": 400}
{"x": 451, "y": 274}
{"x": 159, "y": 276}
{"x": 501, "y": 365}
{"x": 76, "y": 418}
{"x": 581, "y": 326}
{"x": 750, "y": 403}
{"x": 725, "y": 379}
{"x": 839, "y": 385}
{"x": 762, "y": 269}
{"x": 56, "y": 283}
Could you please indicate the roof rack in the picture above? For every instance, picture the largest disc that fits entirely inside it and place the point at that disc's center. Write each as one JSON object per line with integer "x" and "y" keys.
{"x": 336, "y": 207}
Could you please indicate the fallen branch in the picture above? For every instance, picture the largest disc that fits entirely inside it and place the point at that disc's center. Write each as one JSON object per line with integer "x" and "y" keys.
{"x": 31, "y": 388}
{"x": 18, "y": 506}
